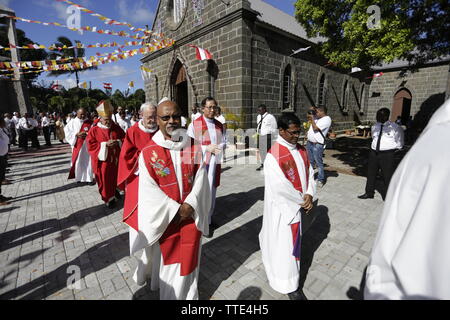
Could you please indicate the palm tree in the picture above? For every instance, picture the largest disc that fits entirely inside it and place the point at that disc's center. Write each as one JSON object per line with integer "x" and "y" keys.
{"x": 74, "y": 53}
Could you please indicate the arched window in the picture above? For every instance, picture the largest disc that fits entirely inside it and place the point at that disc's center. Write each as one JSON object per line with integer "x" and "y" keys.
{"x": 361, "y": 104}
{"x": 287, "y": 77}
{"x": 178, "y": 7}
{"x": 345, "y": 97}
{"x": 322, "y": 92}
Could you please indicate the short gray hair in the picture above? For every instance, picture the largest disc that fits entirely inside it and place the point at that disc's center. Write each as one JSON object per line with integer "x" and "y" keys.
{"x": 147, "y": 105}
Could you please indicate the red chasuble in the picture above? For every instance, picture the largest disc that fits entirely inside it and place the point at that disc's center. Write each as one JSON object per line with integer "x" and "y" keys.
{"x": 180, "y": 242}
{"x": 105, "y": 171}
{"x": 201, "y": 134}
{"x": 287, "y": 164}
{"x": 135, "y": 140}
{"x": 86, "y": 126}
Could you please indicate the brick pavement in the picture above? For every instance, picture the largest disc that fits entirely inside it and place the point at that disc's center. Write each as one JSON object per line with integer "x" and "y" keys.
{"x": 54, "y": 225}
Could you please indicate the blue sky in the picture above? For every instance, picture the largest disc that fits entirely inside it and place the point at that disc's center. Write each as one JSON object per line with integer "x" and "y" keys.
{"x": 137, "y": 12}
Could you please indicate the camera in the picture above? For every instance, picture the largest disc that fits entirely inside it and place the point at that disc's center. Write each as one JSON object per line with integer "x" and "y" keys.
{"x": 312, "y": 112}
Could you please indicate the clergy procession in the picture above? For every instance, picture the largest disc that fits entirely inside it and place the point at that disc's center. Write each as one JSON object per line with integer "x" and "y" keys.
{"x": 169, "y": 178}
{"x": 240, "y": 151}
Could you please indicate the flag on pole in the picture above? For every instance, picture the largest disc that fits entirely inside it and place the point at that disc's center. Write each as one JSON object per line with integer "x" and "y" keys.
{"x": 299, "y": 50}
{"x": 131, "y": 84}
{"x": 355, "y": 69}
{"x": 57, "y": 87}
{"x": 84, "y": 85}
{"x": 202, "y": 54}
{"x": 375, "y": 75}
{"x": 107, "y": 86}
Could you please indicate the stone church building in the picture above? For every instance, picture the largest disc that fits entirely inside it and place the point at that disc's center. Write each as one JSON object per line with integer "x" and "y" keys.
{"x": 253, "y": 62}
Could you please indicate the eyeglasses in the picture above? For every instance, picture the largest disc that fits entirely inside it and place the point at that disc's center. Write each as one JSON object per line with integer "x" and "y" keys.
{"x": 175, "y": 117}
{"x": 293, "y": 133}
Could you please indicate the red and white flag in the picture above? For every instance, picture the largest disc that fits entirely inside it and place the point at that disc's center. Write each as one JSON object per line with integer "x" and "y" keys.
{"x": 107, "y": 86}
{"x": 57, "y": 87}
{"x": 375, "y": 75}
{"x": 202, "y": 54}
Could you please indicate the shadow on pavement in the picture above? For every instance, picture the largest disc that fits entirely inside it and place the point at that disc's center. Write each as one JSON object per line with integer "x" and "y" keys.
{"x": 92, "y": 260}
{"x": 312, "y": 238}
{"x": 250, "y": 293}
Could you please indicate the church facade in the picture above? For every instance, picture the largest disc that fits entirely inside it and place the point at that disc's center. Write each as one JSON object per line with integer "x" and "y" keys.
{"x": 253, "y": 47}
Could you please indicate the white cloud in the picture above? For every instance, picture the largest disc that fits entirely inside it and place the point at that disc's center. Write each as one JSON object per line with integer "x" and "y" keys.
{"x": 106, "y": 73}
{"x": 5, "y": 3}
{"x": 135, "y": 12}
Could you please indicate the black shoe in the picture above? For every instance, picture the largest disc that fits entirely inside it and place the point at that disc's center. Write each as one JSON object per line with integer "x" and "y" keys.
{"x": 92, "y": 183}
{"x": 297, "y": 295}
{"x": 111, "y": 204}
{"x": 5, "y": 199}
{"x": 365, "y": 196}
{"x": 260, "y": 168}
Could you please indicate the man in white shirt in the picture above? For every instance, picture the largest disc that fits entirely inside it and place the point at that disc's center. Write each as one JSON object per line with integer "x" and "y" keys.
{"x": 381, "y": 155}
{"x": 410, "y": 258}
{"x": 320, "y": 123}
{"x": 266, "y": 126}
{"x": 14, "y": 128}
{"x": 27, "y": 127}
{"x": 45, "y": 123}
{"x": 289, "y": 188}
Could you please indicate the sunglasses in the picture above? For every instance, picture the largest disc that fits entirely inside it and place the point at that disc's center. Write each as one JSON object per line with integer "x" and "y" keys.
{"x": 293, "y": 133}
{"x": 175, "y": 117}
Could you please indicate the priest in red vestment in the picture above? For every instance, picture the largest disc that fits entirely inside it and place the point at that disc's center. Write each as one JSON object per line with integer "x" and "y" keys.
{"x": 104, "y": 143}
{"x": 289, "y": 188}
{"x": 209, "y": 133}
{"x": 137, "y": 137}
{"x": 174, "y": 200}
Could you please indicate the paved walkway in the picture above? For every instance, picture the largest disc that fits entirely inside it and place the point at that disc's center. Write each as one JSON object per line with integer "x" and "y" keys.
{"x": 55, "y": 227}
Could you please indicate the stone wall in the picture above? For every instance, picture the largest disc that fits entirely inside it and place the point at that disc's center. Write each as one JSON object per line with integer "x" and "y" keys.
{"x": 428, "y": 87}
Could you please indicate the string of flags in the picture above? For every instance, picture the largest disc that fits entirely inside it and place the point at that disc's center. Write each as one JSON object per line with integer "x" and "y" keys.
{"x": 375, "y": 75}
{"x": 107, "y": 20}
{"x": 53, "y": 47}
{"x": 86, "y": 28}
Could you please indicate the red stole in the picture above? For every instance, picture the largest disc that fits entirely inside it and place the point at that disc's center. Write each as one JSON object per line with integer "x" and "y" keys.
{"x": 287, "y": 164}
{"x": 78, "y": 145}
{"x": 180, "y": 242}
{"x": 201, "y": 133}
{"x": 135, "y": 140}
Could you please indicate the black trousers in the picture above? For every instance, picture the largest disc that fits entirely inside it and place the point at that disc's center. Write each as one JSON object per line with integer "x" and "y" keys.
{"x": 383, "y": 160}
{"x": 3, "y": 164}
{"x": 46, "y": 131}
{"x": 23, "y": 138}
{"x": 33, "y": 136}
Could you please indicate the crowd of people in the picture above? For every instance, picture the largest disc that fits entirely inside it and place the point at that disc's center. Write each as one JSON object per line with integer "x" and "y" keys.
{"x": 169, "y": 170}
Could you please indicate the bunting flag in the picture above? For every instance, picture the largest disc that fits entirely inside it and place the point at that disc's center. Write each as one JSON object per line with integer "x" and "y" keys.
{"x": 355, "y": 69}
{"x": 78, "y": 45}
{"x": 202, "y": 54}
{"x": 107, "y": 86}
{"x": 80, "y": 63}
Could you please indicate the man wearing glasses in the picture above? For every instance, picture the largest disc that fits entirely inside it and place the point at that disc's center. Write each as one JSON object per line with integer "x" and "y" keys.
{"x": 210, "y": 134}
{"x": 289, "y": 187}
{"x": 173, "y": 204}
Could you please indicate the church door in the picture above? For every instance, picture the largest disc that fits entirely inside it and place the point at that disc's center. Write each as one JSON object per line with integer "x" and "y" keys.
{"x": 180, "y": 88}
{"x": 401, "y": 105}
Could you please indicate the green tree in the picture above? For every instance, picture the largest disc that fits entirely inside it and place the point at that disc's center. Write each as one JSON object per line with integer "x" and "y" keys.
{"x": 71, "y": 54}
{"x": 24, "y": 54}
{"x": 412, "y": 30}
{"x": 57, "y": 103}
{"x": 88, "y": 103}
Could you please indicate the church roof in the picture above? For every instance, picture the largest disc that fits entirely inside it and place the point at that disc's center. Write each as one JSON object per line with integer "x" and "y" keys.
{"x": 281, "y": 20}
